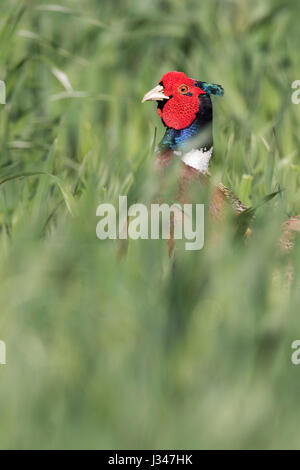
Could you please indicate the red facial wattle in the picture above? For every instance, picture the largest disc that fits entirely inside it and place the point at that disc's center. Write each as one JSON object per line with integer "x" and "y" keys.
{"x": 183, "y": 104}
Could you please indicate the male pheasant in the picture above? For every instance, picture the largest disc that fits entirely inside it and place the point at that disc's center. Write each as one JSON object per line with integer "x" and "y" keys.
{"x": 185, "y": 108}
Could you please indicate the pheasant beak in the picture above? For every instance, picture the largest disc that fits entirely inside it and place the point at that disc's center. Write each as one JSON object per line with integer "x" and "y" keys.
{"x": 156, "y": 94}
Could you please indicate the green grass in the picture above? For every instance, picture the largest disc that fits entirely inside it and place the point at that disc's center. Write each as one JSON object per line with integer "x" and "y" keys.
{"x": 103, "y": 353}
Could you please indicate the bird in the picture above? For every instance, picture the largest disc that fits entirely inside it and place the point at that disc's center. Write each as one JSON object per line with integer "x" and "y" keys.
{"x": 185, "y": 107}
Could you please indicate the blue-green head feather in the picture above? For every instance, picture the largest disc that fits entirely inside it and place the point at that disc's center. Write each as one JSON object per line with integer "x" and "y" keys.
{"x": 211, "y": 88}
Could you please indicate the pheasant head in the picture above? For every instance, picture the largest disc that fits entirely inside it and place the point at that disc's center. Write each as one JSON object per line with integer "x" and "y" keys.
{"x": 185, "y": 108}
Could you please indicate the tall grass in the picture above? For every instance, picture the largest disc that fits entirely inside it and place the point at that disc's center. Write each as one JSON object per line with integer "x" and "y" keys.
{"x": 103, "y": 353}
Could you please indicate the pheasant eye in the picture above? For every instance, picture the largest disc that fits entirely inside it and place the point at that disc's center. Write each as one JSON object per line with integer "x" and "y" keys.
{"x": 183, "y": 89}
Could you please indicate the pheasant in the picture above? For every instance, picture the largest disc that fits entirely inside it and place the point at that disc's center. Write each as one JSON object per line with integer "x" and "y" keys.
{"x": 185, "y": 108}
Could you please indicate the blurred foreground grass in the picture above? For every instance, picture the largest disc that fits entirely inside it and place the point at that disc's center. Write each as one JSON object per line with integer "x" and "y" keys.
{"x": 136, "y": 354}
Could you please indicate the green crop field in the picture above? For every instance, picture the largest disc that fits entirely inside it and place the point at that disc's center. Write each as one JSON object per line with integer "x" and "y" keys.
{"x": 145, "y": 351}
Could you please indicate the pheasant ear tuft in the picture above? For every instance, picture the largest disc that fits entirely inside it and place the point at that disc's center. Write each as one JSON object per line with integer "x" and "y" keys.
{"x": 211, "y": 88}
